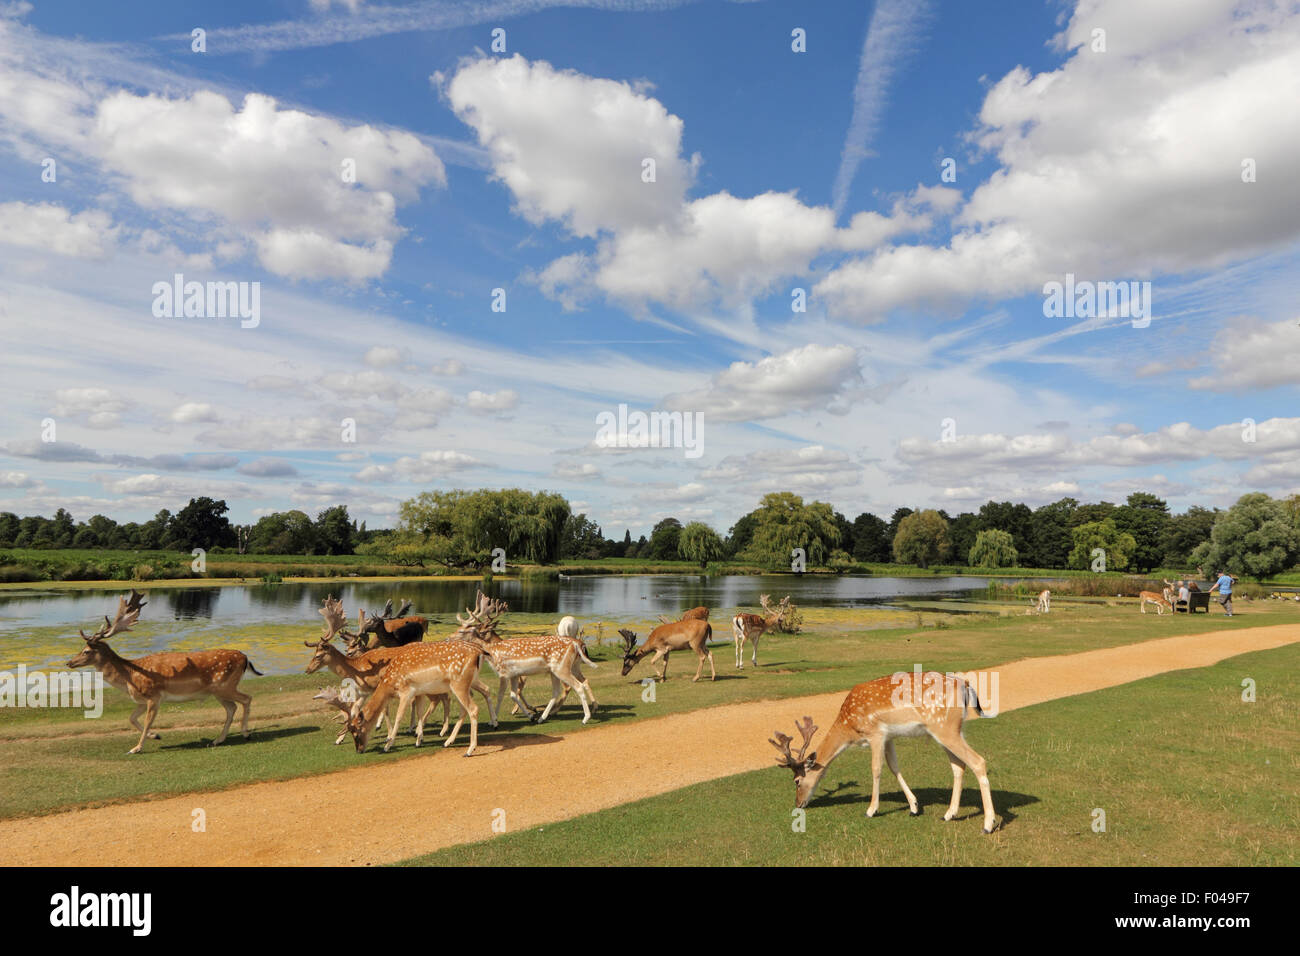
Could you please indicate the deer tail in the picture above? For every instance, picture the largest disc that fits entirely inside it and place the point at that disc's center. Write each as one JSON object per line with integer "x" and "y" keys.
{"x": 972, "y": 699}
{"x": 248, "y": 666}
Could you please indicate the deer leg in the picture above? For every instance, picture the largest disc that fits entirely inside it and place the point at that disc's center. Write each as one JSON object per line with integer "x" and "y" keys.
{"x": 957, "y": 744}
{"x": 739, "y": 639}
{"x": 517, "y": 695}
{"x": 403, "y": 701}
{"x": 486, "y": 693}
{"x": 754, "y": 643}
{"x": 958, "y": 769}
{"x": 661, "y": 656}
{"x": 246, "y": 700}
{"x": 556, "y": 688}
{"x": 576, "y": 671}
{"x": 891, "y": 758}
{"x": 150, "y": 712}
{"x": 467, "y": 706}
{"x": 877, "y": 758}
{"x": 230, "y": 715}
{"x": 136, "y": 723}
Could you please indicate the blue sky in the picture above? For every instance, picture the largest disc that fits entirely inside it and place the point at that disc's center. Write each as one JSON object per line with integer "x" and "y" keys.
{"x": 520, "y": 170}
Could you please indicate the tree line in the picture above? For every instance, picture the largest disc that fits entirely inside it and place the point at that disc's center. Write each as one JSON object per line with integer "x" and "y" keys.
{"x": 459, "y": 529}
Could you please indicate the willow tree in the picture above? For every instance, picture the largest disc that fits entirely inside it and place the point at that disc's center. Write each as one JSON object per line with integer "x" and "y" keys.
{"x": 700, "y": 543}
{"x": 782, "y": 523}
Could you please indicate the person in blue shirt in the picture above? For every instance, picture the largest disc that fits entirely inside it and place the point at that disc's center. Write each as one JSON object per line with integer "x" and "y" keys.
{"x": 1224, "y": 587}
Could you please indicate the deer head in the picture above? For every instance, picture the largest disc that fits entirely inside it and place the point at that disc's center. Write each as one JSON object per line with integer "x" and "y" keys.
{"x": 630, "y": 654}
{"x": 351, "y": 713}
{"x": 479, "y": 623}
{"x": 807, "y": 773}
{"x": 96, "y": 651}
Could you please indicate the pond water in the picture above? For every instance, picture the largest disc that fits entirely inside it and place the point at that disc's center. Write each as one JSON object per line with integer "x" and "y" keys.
{"x": 197, "y": 616}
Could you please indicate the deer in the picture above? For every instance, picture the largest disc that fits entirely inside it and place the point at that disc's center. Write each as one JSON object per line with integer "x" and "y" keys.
{"x": 518, "y": 657}
{"x": 694, "y": 614}
{"x": 874, "y": 714}
{"x": 178, "y": 675}
{"x": 666, "y": 638}
{"x": 366, "y": 669}
{"x": 1151, "y": 597}
{"x": 391, "y": 630}
{"x": 750, "y": 627}
{"x": 416, "y": 670}
{"x": 568, "y": 627}
{"x": 1044, "y": 605}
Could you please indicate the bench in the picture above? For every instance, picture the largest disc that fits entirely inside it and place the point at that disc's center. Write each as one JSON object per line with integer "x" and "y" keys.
{"x": 1197, "y": 601}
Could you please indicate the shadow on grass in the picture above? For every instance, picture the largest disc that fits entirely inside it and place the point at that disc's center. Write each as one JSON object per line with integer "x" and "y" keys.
{"x": 236, "y": 739}
{"x": 927, "y": 797}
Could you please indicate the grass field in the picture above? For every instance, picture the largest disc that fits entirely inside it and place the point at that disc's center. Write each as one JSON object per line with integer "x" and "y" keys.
{"x": 52, "y": 760}
{"x": 1186, "y": 773}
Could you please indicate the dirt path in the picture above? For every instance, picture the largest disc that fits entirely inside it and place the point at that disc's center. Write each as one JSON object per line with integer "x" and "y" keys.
{"x": 382, "y": 814}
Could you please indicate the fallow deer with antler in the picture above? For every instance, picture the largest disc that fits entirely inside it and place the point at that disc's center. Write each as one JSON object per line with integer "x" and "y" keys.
{"x": 750, "y": 627}
{"x": 666, "y": 638}
{"x": 874, "y": 714}
{"x": 417, "y": 670}
{"x": 366, "y": 669}
{"x": 389, "y": 629}
{"x": 515, "y": 658}
{"x": 179, "y": 675}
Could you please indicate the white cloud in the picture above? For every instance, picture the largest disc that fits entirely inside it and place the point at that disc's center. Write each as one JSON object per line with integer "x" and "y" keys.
{"x": 268, "y": 468}
{"x": 384, "y": 356}
{"x": 1157, "y": 126}
{"x": 94, "y": 407}
{"x": 191, "y": 412}
{"x": 1250, "y": 354}
{"x": 810, "y": 377}
{"x": 492, "y": 402}
{"x": 428, "y": 466}
{"x": 52, "y": 228}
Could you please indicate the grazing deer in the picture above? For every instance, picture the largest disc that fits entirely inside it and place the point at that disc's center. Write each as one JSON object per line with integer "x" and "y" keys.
{"x": 875, "y": 713}
{"x": 518, "y": 657}
{"x": 750, "y": 627}
{"x": 366, "y": 669}
{"x": 1044, "y": 602}
{"x": 666, "y": 638}
{"x": 417, "y": 670}
{"x": 389, "y": 629}
{"x": 1151, "y": 597}
{"x": 179, "y": 675}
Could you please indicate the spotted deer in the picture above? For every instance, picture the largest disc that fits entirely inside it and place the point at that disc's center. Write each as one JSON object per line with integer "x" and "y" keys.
{"x": 178, "y": 675}
{"x": 366, "y": 669}
{"x": 874, "y": 714}
{"x": 1151, "y": 597}
{"x": 750, "y": 627}
{"x": 517, "y": 657}
{"x": 417, "y": 670}
{"x": 666, "y": 638}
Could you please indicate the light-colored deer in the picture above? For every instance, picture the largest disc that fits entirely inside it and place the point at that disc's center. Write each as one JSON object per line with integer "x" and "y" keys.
{"x": 877, "y": 712}
{"x": 1151, "y": 597}
{"x": 365, "y": 670}
{"x": 750, "y": 627}
{"x": 666, "y": 638}
{"x": 179, "y": 675}
{"x": 1044, "y": 601}
{"x": 417, "y": 670}
{"x": 518, "y": 657}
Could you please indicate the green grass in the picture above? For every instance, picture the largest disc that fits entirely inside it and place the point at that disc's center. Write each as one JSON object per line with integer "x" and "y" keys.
{"x": 51, "y": 760}
{"x": 1186, "y": 772}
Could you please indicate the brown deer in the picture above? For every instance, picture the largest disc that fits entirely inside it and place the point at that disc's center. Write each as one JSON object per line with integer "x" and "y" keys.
{"x": 417, "y": 670}
{"x": 750, "y": 627}
{"x": 365, "y": 669}
{"x": 518, "y": 657}
{"x": 666, "y": 638}
{"x": 874, "y": 714}
{"x": 1152, "y": 597}
{"x": 694, "y": 614}
{"x": 179, "y": 675}
{"x": 389, "y": 629}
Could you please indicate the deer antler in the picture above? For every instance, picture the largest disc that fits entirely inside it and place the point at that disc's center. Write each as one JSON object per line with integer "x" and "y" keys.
{"x": 331, "y": 696}
{"x": 401, "y": 611}
{"x": 765, "y": 600}
{"x": 387, "y": 612}
{"x": 629, "y": 639}
{"x": 482, "y": 619}
{"x": 782, "y": 744}
{"x": 128, "y": 612}
{"x": 335, "y": 620}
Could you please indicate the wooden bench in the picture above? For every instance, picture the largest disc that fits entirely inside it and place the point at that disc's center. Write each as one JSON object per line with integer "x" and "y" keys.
{"x": 1197, "y": 601}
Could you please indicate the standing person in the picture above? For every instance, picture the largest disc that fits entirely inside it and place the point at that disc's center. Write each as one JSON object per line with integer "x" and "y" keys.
{"x": 1224, "y": 587}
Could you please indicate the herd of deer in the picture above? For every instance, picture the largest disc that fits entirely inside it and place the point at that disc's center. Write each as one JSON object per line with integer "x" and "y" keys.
{"x": 387, "y": 661}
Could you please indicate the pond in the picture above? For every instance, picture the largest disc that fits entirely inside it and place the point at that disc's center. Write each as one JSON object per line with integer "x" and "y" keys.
{"x": 199, "y": 616}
